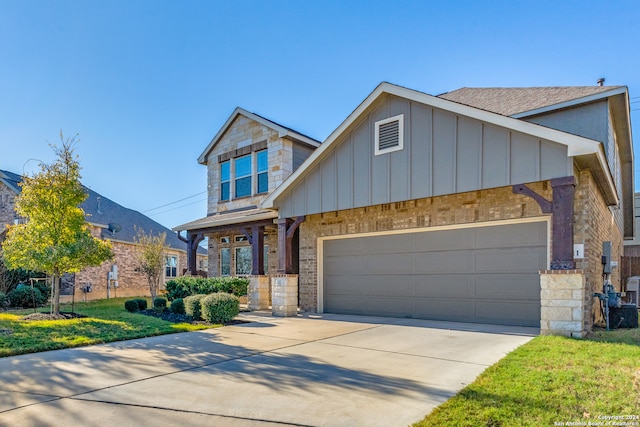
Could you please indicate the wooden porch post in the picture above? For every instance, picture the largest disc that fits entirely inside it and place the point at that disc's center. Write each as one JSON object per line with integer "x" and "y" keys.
{"x": 192, "y": 251}
{"x": 286, "y": 230}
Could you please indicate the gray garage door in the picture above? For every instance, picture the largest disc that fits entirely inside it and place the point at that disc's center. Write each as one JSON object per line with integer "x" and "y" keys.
{"x": 481, "y": 274}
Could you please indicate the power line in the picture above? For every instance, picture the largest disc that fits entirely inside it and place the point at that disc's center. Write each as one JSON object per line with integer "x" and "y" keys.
{"x": 179, "y": 207}
{"x": 173, "y": 203}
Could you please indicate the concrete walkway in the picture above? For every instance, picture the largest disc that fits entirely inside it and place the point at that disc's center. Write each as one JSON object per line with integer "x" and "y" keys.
{"x": 314, "y": 370}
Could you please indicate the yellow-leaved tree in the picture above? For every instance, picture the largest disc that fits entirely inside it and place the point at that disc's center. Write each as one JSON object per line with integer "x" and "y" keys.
{"x": 55, "y": 238}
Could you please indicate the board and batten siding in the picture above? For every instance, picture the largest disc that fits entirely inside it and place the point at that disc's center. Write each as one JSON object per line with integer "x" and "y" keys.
{"x": 444, "y": 153}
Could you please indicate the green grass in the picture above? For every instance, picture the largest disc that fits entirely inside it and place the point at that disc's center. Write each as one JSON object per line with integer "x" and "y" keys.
{"x": 107, "y": 321}
{"x": 552, "y": 380}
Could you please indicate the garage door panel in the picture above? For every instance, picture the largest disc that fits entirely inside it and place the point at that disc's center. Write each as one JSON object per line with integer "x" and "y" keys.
{"x": 479, "y": 274}
{"x": 443, "y": 262}
{"x": 508, "y": 286}
{"x": 389, "y": 286}
{"x": 435, "y": 241}
{"x": 387, "y": 306}
{"x": 444, "y": 309}
{"x": 512, "y": 259}
{"x": 344, "y": 264}
{"x": 389, "y": 263}
{"x": 388, "y": 244}
{"x": 445, "y": 286}
{"x": 513, "y": 235}
{"x": 342, "y": 285}
{"x": 514, "y": 313}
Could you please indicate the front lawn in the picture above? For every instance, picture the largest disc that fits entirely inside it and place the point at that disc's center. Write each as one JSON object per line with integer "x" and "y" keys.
{"x": 106, "y": 321}
{"x": 553, "y": 381}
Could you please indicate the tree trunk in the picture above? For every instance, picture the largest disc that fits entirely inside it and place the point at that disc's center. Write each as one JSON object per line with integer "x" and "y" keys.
{"x": 56, "y": 295}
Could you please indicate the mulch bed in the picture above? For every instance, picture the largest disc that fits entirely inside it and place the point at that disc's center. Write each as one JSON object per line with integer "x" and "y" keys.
{"x": 48, "y": 316}
{"x": 183, "y": 318}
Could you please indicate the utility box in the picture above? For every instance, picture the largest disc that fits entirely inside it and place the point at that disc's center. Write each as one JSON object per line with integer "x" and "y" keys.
{"x": 624, "y": 317}
{"x": 633, "y": 288}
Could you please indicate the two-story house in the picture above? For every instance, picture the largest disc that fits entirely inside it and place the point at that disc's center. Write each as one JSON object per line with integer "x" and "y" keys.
{"x": 479, "y": 205}
{"x": 247, "y": 159}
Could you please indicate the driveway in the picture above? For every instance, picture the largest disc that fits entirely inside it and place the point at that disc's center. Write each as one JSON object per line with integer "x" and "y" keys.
{"x": 312, "y": 370}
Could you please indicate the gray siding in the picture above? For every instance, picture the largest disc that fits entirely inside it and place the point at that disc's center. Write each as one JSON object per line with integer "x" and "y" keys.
{"x": 443, "y": 153}
{"x": 300, "y": 154}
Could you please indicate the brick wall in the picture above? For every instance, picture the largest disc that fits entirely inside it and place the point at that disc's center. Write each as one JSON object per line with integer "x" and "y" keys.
{"x": 462, "y": 208}
{"x": 594, "y": 224}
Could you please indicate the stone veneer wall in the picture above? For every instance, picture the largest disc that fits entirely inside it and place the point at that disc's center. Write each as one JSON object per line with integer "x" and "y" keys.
{"x": 244, "y": 132}
{"x": 594, "y": 224}
{"x": 562, "y": 298}
{"x": 463, "y": 208}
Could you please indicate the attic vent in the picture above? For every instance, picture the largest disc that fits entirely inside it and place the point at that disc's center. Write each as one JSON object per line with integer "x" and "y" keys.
{"x": 389, "y": 134}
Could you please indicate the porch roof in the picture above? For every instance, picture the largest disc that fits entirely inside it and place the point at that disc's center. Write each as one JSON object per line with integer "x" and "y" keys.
{"x": 224, "y": 219}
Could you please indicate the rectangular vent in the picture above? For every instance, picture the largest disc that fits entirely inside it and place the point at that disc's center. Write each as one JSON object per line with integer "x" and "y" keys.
{"x": 389, "y": 135}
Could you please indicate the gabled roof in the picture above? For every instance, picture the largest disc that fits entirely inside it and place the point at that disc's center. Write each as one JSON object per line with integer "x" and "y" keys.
{"x": 283, "y": 131}
{"x": 576, "y": 145}
{"x": 516, "y": 101}
{"x": 105, "y": 213}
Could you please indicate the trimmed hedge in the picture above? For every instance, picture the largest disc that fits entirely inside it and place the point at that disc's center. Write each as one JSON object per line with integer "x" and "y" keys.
{"x": 220, "y": 307}
{"x": 131, "y": 305}
{"x": 192, "y": 306}
{"x": 160, "y": 303}
{"x": 185, "y": 286}
{"x": 177, "y": 306}
{"x": 142, "y": 303}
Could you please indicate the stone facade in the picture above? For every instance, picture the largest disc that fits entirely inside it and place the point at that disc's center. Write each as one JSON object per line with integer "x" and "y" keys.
{"x": 241, "y": 135}
{"x": 562, "y": 296}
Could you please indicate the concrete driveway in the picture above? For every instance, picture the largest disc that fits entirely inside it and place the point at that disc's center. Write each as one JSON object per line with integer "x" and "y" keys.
{"x": 312, "y": 370}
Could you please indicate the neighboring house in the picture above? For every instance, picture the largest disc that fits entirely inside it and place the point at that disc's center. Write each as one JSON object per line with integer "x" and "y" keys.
{"x": 463, "y": 207}
{"x": 114, "y": 222}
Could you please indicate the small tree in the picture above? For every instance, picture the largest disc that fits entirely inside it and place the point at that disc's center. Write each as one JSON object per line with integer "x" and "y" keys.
{"x": 55, "y": 238}
{"x": 151, "y": 259}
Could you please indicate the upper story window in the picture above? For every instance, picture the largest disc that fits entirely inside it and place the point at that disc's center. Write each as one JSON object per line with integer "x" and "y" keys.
{"x": 262, "y": 170}
{"x": 244, "y": 172}
{"x": 243, "y": 176}
{"x": 225, "y": 180}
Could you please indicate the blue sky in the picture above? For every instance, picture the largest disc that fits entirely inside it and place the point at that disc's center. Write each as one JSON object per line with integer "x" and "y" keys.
{"x": 147, "y": 84}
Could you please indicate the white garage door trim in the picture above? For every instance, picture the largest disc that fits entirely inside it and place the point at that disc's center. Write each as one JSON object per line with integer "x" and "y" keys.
{"x": 321, "y": 240}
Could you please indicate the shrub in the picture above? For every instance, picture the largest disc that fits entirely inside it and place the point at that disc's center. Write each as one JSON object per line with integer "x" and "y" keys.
{"x": 142, "y": 303}
{"x": 160, "y": 303}
{"x": 192, "y": 306}
{"x": 220, "y": 307}
{"x": 177, "y": 306}
{"x": 4, "y": 301}
{"x": 23, "y": 296}
{"x": 131, "y": 305}
{"x": 185, "y": 286}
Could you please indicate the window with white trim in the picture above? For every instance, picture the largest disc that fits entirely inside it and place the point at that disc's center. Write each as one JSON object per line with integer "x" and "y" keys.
{"x": 242, "y": 175}
{"x": 389, "y": 135}
{"x": 171, "y": 266}
{"x": 262, "y": 172}
{"x": 225, "y": 180}
{"x": 225, "y": 261}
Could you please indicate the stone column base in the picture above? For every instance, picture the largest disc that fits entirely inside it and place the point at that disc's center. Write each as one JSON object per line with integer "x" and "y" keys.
{"x": 562, "y": 303}
{"x": 258, "y": 293}
{"x": 284, "y": 298}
